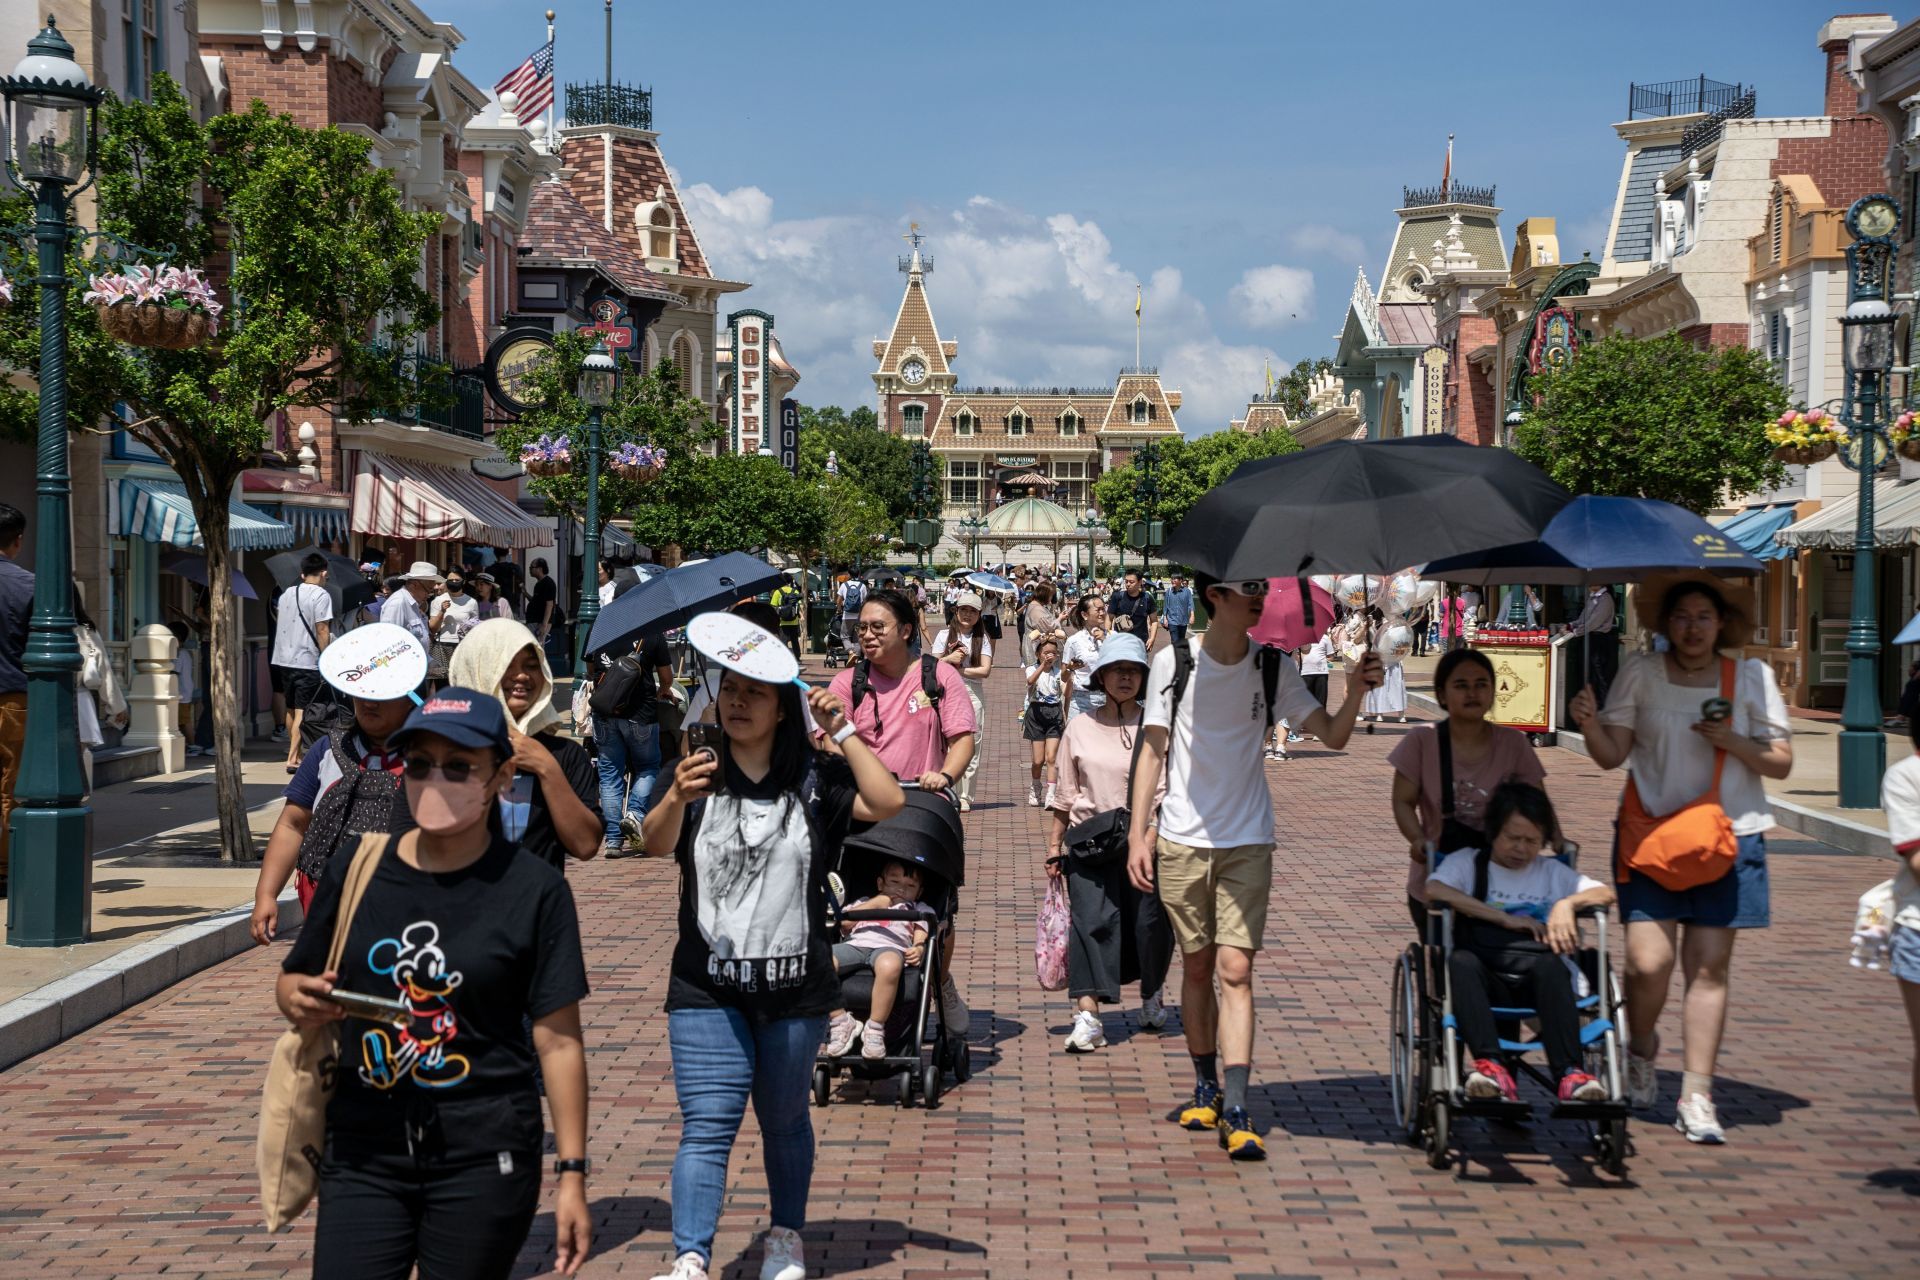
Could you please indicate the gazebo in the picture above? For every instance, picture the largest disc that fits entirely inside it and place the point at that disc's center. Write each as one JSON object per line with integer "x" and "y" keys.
{"x": 1029, "y": 521}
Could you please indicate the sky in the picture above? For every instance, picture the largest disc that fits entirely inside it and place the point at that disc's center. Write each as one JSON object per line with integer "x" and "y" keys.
{"x": 1237, "y": 161}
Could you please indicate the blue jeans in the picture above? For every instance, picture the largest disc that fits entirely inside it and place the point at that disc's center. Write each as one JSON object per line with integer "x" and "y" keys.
{"x": 720, "y": 1058}
{"x": 627, "y": 750}
{"x": 1177, "y": 632}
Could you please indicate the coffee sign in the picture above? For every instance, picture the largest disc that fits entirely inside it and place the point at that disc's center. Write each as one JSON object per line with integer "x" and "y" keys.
{"x": 752, "y": 362}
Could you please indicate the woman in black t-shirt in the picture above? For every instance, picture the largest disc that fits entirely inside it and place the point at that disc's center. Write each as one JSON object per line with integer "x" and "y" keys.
{"x": 753, "y": 980}
{"x": 433, "y": 1135}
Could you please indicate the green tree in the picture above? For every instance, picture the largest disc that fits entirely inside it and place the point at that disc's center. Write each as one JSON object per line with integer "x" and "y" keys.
{"x": 876, "y": 460}
{"x": 1186, "y": 470}
{"x": 320, "y": 249}
{"x": 751, "y": 502}
{"x": 1292, "y": 385}
{"x": 856, "y": 523}
{"x": 648, "y": 408}
{"x": 1657, "y": 418}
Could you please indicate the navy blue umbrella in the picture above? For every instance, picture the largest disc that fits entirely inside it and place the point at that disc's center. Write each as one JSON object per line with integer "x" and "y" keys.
{"x": 1595, "y": 540}
{"x": 672, "y": 599}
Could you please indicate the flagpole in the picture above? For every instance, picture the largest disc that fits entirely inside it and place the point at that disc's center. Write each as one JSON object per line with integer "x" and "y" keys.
{"x": 1136, "y": 328}
{"x": 609, "y": 41}
{"x": 553, "y": 143}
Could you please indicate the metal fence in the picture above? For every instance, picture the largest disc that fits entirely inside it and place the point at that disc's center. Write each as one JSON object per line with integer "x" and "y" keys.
{"x": 1680, "y": 97}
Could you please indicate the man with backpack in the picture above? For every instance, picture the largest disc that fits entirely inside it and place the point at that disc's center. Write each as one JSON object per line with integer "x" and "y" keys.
{"x": 626, "y": 729}
{"x": 790, "y": 603}
{"x": 853, "y": 594}
{"x": 1212, "y": 859}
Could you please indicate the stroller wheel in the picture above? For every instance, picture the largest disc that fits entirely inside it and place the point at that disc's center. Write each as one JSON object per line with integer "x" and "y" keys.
{"x": 962, "y": 1060}
{"x": 930, "y": 1085}
{"x": 903, "y": 1085}
{"x": 822, "y": 1086}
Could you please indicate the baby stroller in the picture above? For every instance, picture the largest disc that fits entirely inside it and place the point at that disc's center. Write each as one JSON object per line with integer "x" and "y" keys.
{"x": 1424, "y": 1045}
{"x": 920, "y": 1049}
{"x": 838, "y": 654}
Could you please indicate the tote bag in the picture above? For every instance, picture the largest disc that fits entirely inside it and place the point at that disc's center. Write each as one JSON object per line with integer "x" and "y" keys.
{"x": 1692, "y": 846}
{"x": 303, "y": 1074}
{"x": 1050, "y": 937}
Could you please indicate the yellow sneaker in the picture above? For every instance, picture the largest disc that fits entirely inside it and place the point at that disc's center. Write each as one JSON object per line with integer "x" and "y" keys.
{"x": 1237, "y": 1137}
{"x": 1203, "y": 1112}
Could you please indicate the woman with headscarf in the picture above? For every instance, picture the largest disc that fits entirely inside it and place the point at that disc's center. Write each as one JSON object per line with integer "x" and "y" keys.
{"x": 552, "y": 806}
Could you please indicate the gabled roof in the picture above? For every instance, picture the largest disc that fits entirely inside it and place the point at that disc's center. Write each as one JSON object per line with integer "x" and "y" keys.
{"x": 1131, "y": 387}
{"x": 560, "y": 227}
{"x": 1407, "y": 324}
{"x": 913, "y": 329}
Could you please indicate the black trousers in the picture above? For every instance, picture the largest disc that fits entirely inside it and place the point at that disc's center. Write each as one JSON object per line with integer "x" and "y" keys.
{"x": 1538, "y": 980}
{"x": 380, "y": 1215}
{"x": 790, "y": 632}
{"x": 1317, "y": 686}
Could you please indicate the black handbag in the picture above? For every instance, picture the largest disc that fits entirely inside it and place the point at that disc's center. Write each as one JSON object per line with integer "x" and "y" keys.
{"x": 1102, "y": 839}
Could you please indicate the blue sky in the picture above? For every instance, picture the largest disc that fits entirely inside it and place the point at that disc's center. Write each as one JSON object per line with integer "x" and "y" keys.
{"x": 1238, "y": 160}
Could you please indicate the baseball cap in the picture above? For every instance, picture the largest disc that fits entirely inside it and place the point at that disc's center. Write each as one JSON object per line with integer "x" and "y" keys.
{"x": 968, "y": 600}
{"x": 465, "y": 717}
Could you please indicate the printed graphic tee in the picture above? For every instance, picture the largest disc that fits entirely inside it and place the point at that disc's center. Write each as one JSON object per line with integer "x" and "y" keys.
{"x": 753, "y": 908}
{"x": 471, "y": 953}
{"x": 1530, "y": 891}
{"x": 525, "y": 815}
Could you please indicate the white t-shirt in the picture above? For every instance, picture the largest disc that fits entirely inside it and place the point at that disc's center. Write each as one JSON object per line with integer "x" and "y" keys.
{"x": 1047, "y": 687}
{"x": 1900, "y": 797}
{"x": 1531, "y": 891}
{"x": 1217, "y": 794}
{"x": 986, "y": 652}
{"x": 457, "y": 616}
{"x": 302, "y": 605}
{"x": 1671, "y": 764}
{"x": 1313, "y": 661}
{"x": 1082, "y": 646}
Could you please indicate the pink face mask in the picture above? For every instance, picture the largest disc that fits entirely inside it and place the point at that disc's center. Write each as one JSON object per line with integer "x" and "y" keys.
{"x": 442, "y": 808}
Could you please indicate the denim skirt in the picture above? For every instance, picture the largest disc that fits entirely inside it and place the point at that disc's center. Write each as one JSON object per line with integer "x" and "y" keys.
{"x": 1737, "y": 900}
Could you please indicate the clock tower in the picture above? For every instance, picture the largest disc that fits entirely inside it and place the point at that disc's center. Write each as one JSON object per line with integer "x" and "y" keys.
{"x": 915, "y": 373}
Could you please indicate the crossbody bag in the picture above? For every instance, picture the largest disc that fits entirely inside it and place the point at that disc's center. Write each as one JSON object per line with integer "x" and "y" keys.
{"x": 1693, "y": 845}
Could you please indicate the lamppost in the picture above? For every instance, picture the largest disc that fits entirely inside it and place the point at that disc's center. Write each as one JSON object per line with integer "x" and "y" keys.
{"x": 1146, "y": 534}
{"x": 50, "y": 109}
{"x": 972, "y": 526}
{"x": 1088, "y": 524}
{"x": 599, "y": 376}
{"x": 1866, "y": 340}
{"x": 921, "y": 533}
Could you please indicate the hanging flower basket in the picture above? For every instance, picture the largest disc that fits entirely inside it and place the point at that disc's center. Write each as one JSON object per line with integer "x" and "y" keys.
{"x": 1805, "y": 455}
{"x": 547, "y": 456}
{"x": 548, "y": 466}
{"x": 154, "y": 324}
{"x": 1908, "y": 448}
{"x": 1803, "y": 437}
{"x": 638, "y": 463}
{"x": 173, "y": 309}
{"x": 634, "y": 474}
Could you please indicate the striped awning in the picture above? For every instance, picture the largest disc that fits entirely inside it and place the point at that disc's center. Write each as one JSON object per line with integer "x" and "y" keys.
{"x": 615, "y": 543}
{"x": 160, "y": 511}
{"x": 1896, "y": 520}
{"x": 401, "y": 498}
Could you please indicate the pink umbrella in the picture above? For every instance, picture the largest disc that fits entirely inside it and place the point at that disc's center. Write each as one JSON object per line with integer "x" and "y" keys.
{"x": 1288, "y": 622}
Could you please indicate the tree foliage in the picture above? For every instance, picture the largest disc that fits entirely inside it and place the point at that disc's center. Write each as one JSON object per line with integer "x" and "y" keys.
{"x": 319, "y": 249}
{"x": 1292, "y": 385}
{"x": 1186, "y": 470}
{"x": 1657, "y": 418}
{"x": 877, "y": 461}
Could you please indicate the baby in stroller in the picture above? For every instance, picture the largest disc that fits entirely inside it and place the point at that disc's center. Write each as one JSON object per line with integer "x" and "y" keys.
{"x": 1515, "y": 940}
{"x": 882, "y": 948}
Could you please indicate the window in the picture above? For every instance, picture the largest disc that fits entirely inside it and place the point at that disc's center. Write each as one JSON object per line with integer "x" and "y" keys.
{"x": 963, "y": 481}
{"x": 140, "y": 29}
{"x": 1016, "y": 423}
{"x": 686, "y": 364}
{"x": 1142, "y": 411}
{"x": 660, "y": 233}
{"x": 963, "y": 423}
{"x": 1069, "y": 423}
{"x": 913, "y": 420}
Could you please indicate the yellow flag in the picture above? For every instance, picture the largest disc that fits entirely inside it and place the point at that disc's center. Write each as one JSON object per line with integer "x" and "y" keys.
{"x": 1136, "y": 302}
{"x": 1268, "y": 366}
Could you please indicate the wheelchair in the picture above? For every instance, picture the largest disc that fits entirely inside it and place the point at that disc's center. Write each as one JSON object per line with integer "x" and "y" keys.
{"x": 1425, "y": 1048}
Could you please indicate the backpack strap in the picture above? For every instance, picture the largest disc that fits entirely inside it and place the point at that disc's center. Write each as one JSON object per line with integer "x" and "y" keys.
{"x": 1269, "y": 659}
{"x": 1445, "y": 739}
{"x": 1481, "y": 859}
{"x": 860, "y": 686}
{"x": 1182, "y": 674}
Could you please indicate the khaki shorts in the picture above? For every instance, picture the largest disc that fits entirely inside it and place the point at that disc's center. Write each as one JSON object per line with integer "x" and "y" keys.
{"x": 1215, "y": 896}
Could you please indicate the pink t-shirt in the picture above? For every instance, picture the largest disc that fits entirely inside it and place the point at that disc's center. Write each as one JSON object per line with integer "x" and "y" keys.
{"x": 1093, "y": 763}
{"x": 908, "y": 735}
{"x": 1510, "y": 758}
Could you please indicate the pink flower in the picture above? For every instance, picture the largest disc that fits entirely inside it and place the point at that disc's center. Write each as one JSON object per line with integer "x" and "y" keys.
{"x": 1786, "y": 419}
{"x": 1816, "y": 415}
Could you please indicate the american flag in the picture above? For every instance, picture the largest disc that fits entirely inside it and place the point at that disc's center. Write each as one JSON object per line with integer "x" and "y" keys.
{"x": 531, "y": 82}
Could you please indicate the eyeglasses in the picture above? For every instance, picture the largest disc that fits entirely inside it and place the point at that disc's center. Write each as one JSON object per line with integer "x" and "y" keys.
{"x": 420, "y": 768}
{"x": 1253, "y": 588}
{"x": 870, "y": 628}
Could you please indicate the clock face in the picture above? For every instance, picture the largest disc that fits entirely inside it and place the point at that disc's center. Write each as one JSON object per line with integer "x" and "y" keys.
{"x": 1867, "y": 450}
{"x": 1877, "y": 218}
{"x": 913, "y": 373}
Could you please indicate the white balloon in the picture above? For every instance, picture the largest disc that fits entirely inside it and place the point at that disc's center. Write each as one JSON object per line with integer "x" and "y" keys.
{"x": 1352, "y": 591}
{"x": 1394, "y": 643}
{"x": 1425, "y": 593}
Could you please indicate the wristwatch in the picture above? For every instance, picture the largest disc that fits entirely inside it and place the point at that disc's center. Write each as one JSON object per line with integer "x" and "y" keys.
{"x": 581, "y": 1166}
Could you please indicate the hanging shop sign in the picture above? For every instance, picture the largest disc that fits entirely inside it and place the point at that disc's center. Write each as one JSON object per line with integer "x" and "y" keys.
{"x": 509, "y": 366}
{"x": 752, "y": 350}
{"x": 790, "y": 435}
{"x": 612, "y": 325}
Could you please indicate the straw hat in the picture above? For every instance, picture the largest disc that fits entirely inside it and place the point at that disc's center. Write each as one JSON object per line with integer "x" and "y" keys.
{"x": 1736, "y": 625}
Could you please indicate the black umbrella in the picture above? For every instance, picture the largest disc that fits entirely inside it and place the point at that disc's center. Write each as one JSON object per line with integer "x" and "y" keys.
{"x": 674, "y": 597}
{"x": 345, "y": 583}
{"x": 1364, "y": 506}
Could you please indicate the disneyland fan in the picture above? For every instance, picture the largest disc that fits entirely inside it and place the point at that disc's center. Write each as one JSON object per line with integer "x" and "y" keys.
{"x": 434, "y": 1136}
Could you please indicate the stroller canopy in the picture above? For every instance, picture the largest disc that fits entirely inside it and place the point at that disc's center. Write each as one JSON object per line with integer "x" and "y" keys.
{"x": 927, "y": 833}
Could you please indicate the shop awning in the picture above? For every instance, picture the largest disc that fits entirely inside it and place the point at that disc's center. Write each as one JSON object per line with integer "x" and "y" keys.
{"x": 317, "y": 513}
{"x": 160, "y": 511}
{"x": 1896, "y": 520}
{"x": 401, "y": 498}
{"x": 615, "y": 542}
{"x": 1754, "y": 528}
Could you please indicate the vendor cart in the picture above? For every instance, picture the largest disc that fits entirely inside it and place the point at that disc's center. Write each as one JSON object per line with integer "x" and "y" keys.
{"x": 1526, "y": 680}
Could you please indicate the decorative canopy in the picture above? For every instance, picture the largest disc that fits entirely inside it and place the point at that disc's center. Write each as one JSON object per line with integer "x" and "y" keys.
{"x": 1031, "y": 479}
{"x": 160, "y": 511}
{"x": 1031, "y": 518}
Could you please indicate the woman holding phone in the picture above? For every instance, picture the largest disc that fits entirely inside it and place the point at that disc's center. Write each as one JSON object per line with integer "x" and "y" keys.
{"x": 434, "y": 1138}
{"x": 966, "y": 646}
{"x": 753, "y": 817}
{"x": 1089, "y": 619}
{"x": 1672, "y": 718}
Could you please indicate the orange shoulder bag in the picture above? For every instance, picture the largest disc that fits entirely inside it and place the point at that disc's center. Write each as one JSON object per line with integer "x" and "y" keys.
{"x": 1693, "y": 845}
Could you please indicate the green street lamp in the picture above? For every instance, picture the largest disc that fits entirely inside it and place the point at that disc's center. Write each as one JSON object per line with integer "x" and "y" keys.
{"x": 971, "y": 527}
{"x": 50, "y": 120}
{"x": 599, "y": 377}
{"x": 1867, "y": 347}
{"x": 1089, "y": 524}
{"x": 1147, "y": 534}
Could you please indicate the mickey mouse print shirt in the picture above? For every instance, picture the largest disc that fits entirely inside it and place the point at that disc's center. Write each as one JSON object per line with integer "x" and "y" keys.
{"x": 471, "y": 953}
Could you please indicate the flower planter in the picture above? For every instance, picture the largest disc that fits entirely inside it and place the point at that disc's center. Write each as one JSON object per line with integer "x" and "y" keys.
{"x": 151, "y": 324}
{"x": 548, "y": 466}
{"x": 635, "y": 474}
{"x": 1805, "y": 455}
{"x": 1909, "y": 448}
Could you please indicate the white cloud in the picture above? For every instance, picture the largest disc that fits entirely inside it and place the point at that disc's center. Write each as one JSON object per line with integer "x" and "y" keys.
{"x": 1343, "y": 247}
{"x": 1032, "y": 299}
{"x": 1275, "y": 295}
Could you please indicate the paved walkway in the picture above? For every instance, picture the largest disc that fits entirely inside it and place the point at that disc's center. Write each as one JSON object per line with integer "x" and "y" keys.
{"x": 131, "y": 1147}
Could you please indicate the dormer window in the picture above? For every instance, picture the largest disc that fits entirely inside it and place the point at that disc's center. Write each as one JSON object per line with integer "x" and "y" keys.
{"x": 1069, "y": 423}
{"x": 1142, "y": 411}
{"x": 659, "y": 232}
{"x": 1017, "y": 423}
{"x": 963, "y": 423}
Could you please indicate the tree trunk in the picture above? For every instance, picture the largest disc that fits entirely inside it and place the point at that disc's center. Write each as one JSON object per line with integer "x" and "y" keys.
{"x": 223, "y": 700}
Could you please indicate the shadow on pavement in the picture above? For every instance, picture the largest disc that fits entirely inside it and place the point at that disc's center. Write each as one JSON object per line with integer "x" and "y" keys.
{"x": 1905, "y": 1181}
{"x": 839, "y": 1246}
{"x": 1739, "y": 1102}
{"x": 617, "y": 1220}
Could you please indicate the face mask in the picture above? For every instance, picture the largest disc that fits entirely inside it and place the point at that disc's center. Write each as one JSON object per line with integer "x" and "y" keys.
{"x": 440, "y": 808}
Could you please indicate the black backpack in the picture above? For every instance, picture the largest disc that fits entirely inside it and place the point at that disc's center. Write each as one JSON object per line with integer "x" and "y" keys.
{"x": 929, "y": 685}
{"x": 789, "y": 607}
{"x": 1266, "y": 655}
{"x": 619, "y": 691}
{"x": 363, "y": 800}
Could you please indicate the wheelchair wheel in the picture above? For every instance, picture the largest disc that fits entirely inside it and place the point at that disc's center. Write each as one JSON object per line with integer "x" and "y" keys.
{"x": 1406, "y": 1047}
{"x": 822, "y": 1086}
{"x": 1611, "y": 1138}
{"x": 1437, "y": 1133}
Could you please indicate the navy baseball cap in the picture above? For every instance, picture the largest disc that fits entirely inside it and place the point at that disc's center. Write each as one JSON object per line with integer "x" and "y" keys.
{"x": 465, "y": 717}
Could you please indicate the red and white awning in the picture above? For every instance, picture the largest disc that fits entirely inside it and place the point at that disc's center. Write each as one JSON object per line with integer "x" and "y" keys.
{"x": 400, "y": 498}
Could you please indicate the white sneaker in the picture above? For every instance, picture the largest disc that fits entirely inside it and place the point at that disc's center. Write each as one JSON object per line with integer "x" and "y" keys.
{"x": 1087, "y": 1034}
{"x": 873, "y": 1040}
{"x": 1048, "y": 802}
{"x": 957, "y": 1014}
{"x": 841, "y": 1033}
{"x": 1643, "y": 1083}
{"x": 688, "y": 1266}
{"x": 1153, "y": 1012}
{"x": 1697, "y": 1118}
{"x": 1033, "y": 795}
{"x": 785, "y": 1257}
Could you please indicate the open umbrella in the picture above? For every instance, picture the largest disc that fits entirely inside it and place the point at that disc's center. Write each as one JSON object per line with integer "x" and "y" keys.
{"x": 1371, "y": 506}
{"x": 674, "y": 597}
{"x": 990, "y": 582}
{"x": 1292, "y": 621}
{"x": 1596, "y": 540}
{"x": 344, "y": 581}
{"x": 194, "y": 570}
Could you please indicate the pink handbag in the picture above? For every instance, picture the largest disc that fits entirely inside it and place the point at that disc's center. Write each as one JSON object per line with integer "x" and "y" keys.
{"x": 1050, "y": 936}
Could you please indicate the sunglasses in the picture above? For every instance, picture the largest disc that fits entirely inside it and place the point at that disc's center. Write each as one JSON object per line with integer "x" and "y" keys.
{"x": 1253, "y": 588}
{"x": 458, "y": 772}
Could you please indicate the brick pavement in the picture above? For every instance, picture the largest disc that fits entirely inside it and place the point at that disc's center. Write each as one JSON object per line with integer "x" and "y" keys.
{"x": 130, "y": 1147}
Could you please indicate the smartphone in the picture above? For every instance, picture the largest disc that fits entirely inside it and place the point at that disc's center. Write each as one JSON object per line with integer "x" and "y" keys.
{"x": 1716, "y": 709}
{"x": 705, "y": 737}
{"x": 372, "y": 1008}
